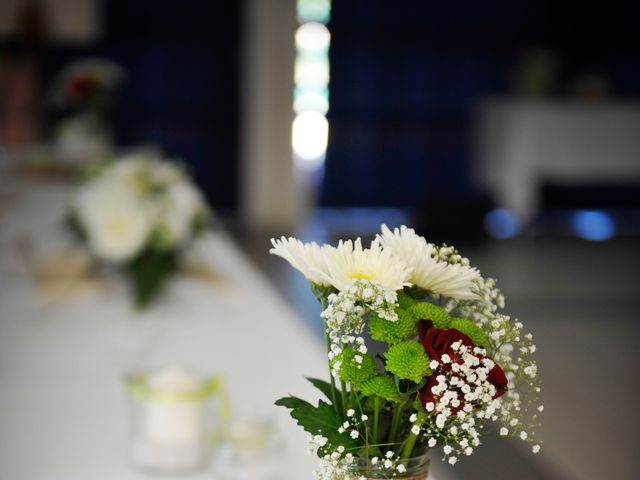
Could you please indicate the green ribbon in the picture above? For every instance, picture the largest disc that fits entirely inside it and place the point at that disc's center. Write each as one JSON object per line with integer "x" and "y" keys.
{"x": 139, "y": 389}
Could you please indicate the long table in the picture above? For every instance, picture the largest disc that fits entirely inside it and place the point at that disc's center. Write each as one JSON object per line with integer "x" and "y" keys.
{"x": 63, "y": 406}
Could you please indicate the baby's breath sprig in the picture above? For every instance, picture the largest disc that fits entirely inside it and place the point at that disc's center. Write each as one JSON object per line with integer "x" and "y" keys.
{"x": 511, "y": 348}
{"x": 461, "y": 398}
{"x": 345, "y": 316}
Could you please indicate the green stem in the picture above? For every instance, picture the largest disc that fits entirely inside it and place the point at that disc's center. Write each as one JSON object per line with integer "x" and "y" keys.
{"x": 408, "y": 446}
{"x": 343, "y": 392}
{"x": 367, "y": 434}
{"x": 395, "y": 421}
{"x": 376, "y": 418}
{"x": 327, "y": 344}
{"x": 392, "y": 444}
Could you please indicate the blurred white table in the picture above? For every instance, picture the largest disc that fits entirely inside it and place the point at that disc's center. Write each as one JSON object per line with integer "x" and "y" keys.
{"x": 520, "y": 143}
{"x": 62, "y": 365}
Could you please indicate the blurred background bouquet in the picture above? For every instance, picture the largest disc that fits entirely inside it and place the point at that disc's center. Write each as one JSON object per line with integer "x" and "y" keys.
{"x": 82, "y": 96}
{"x": 87, "y": 85}
{"x": 139, "y": 213}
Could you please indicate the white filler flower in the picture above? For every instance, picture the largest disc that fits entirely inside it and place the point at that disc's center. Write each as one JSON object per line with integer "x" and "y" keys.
{"x": 428, "y": 273}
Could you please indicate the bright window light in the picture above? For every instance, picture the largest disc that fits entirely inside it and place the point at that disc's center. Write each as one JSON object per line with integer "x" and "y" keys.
{"x": 309, "y": 135}
{"x": 311, "y": 101}
{"x": 310, "y": 129}
{"x": 312, "y": 71}
{"x": 313, "y": 37}
{"x": 314, "y": 11}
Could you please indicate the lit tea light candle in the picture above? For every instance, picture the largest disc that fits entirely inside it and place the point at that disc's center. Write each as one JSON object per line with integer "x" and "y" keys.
{"x": 170, "y": 419}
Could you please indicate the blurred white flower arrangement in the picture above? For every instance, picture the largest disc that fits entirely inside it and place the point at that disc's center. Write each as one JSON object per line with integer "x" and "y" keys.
{"x": 87, "y": 84}
{"x": 139, "y": 212}
{"x": 84, "y": 92}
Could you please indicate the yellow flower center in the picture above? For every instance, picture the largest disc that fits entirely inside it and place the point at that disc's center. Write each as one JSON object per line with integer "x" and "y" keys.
{"x": 363, "y": 275}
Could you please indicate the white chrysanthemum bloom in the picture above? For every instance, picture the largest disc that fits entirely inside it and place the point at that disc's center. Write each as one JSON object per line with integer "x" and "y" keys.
{"x": 454, "y": 281}
{"x": 117, "y": 222}
{"x": 306, "y": 257}
{"x": 349, "y": 261}
{"x": 183, "y": 203}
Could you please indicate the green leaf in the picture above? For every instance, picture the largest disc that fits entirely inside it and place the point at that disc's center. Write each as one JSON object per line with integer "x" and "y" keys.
{"x": 149, "y": 271}
{"x": 407, "y": 387}
{"x": 321, "y": 420}
{"x": 324, "y": 387}
{"x": 73, "y": 224}
{"x": 292, "y": 402}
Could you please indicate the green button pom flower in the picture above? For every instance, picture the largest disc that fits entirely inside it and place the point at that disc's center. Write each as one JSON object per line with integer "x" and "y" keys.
{"x": 382, "y": 386}
{"x": 428, "y": 311}
{"x": 408, "y": 361}
{"x": 393, "y": 332}
{"x": 471, "y": 330}
{"x": 356, "y": 367}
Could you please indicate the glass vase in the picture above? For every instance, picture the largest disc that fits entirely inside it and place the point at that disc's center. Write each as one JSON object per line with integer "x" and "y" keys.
{"x": 415, "y": 468}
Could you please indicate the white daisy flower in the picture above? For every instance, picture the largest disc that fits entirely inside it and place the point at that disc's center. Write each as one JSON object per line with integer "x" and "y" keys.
{"x": 306, "y": 257}
{"x": 428, "y": 273}
{"x": 349, "y": 261}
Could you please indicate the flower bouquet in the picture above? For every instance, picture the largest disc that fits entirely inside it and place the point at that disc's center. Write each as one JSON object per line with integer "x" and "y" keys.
{"x": 139, "y": 212}
{"x": 84, "y": 92}
{"x": 87, "y": 85}
{"x": 450, "y": 366}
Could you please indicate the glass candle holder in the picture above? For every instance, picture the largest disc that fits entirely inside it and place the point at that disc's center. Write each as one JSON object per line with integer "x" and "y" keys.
{"x": 249, "y": 448}
{"x": 172, "y": 418}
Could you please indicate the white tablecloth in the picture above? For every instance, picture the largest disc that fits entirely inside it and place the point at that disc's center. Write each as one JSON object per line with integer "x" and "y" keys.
{"x": 62, "y": 402}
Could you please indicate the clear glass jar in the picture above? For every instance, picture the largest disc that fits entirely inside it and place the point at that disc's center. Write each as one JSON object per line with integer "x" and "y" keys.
{"x": 172, "y": 419}
{"x": 416, "y": 468}
{"x": 249, "y": 448}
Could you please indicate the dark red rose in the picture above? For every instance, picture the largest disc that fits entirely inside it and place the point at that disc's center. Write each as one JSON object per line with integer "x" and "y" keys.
{"x": 82, "y": 87}
{"x": 498, "y": 379}
{"x": 426, "y": 395}
{"x": 437, "y": 341}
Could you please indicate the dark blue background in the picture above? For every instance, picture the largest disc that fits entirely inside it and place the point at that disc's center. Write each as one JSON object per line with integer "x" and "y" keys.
{"x": 405, "y": 77}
